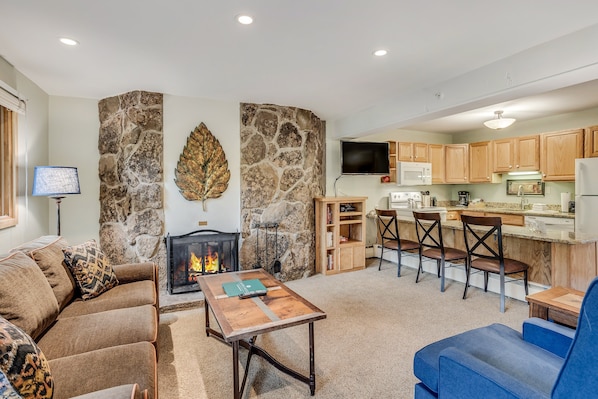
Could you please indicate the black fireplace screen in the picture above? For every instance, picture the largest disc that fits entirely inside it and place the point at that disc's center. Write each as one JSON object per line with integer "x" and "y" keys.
{"x": 198, "y": 253}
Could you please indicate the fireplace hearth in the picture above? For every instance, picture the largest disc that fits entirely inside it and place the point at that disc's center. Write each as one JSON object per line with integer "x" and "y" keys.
{"x": 198, "y": 253}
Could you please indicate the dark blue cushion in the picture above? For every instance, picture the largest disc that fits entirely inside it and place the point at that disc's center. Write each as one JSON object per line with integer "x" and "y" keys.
{"x": 579, "y": 378}
{"x": 421, "y": 392}
{"x": 501, "y": 348}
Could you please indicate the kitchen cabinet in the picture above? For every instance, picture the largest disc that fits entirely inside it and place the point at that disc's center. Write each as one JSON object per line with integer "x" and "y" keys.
{"x": 527, "y": 153}
{"x": 453, "y": 215}
{"x": 558, "y": 151}
{"x": 392, "y": 162}
{"x": 340, "y": 234}
{"x": 412, "y": 152}
{"x": 591, "y": 142}
{"x": 436, "y": 158}
{"x": 480, "y": 163}
{"x": 513, "y": 220}
{"x": 456, "y": 163}
{"x": 516, "y": 154}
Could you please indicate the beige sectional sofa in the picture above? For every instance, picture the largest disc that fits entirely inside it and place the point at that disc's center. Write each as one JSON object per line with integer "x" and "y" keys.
{"x": 100, "y": 347}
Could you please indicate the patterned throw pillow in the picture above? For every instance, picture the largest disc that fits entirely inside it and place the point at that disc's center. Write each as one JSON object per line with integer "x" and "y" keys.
{"x": 90, "y": 268}
{"x": 24, "y": 364}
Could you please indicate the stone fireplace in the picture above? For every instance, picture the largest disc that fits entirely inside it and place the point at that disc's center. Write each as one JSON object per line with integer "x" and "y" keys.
{"x": 198, "y": 253}
{"x": 282, "y": 168}
{"x": 131, "y": 179}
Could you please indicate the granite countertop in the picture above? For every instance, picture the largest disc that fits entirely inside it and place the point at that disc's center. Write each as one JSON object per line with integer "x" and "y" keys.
{"x": 563, "y": 237}
{"x": 512, "y": 211}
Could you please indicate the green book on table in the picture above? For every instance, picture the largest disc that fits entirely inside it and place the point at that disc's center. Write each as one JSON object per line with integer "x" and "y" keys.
{"x": 245, "y": 287}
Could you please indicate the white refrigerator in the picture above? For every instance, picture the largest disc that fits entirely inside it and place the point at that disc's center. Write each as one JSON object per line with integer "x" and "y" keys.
{"x": 586, "y": 195}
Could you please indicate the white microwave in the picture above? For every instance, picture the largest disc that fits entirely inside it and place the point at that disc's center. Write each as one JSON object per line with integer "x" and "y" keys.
{"x": 414, "y": 173}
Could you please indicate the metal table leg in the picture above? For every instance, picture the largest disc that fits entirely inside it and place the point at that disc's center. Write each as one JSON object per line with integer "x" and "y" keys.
{"x": 237, "y": 392}
{"x": 312, "y": 361}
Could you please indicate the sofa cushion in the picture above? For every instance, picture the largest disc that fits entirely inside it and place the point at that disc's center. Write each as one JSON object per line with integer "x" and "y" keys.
{"x": 532, "y": 364}
{"x": 90, "y": 268}
{"x": 7, "y": 391}
{"x": 73, "y": 335}
{"x": 26, "y": 298}
{"x": 122, "y": 296}
{"x": 106, "y": 368}
{"x": 23, "y": 363}
{"x": 47, "y": 252}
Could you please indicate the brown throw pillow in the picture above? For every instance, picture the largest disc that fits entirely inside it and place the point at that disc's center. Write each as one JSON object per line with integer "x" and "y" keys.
{"x": 90, "y": 268}
{"x": 23, "y": 363}
{"x": 46, "y": 251}
{"x": 26, "y": 298}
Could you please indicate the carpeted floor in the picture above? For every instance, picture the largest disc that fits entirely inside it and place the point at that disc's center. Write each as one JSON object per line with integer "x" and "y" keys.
{"x": 363, "y": 349}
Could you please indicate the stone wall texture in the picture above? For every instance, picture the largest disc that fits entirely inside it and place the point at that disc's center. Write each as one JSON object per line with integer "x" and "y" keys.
{"x": 131, "y": 179}
{"x": 282, "y": 170}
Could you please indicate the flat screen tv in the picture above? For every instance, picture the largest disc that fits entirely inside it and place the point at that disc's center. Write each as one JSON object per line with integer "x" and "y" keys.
{"x": 364, "y": 158}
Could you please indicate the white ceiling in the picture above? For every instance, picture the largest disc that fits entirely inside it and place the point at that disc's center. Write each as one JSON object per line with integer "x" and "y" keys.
{"x": 313, "y": 54}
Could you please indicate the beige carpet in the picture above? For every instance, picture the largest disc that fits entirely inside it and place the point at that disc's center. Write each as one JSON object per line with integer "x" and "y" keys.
{"x": 364, "y": 349}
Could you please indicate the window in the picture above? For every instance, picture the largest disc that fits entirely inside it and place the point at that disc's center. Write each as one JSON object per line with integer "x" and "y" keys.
{"x": 8, "y": 129}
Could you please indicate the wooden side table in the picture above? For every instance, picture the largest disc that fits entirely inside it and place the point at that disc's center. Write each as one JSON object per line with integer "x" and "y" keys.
{"x": 559, "y": 304}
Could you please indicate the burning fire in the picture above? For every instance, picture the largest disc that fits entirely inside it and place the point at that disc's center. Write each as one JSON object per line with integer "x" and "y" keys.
{"x": 210, "y": 260}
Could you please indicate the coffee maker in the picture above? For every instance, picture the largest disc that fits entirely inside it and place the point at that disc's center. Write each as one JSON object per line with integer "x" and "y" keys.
{"x": 463, "y": 198}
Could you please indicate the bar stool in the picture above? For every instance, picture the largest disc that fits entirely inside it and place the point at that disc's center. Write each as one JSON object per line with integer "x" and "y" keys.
{"x": 431, "y": 245}
{"x": 388, "y": 228}
{"x": 483, "y": 240}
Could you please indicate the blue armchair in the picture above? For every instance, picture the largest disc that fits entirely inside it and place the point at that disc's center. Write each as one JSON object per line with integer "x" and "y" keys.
{"x": 547, "y": 360}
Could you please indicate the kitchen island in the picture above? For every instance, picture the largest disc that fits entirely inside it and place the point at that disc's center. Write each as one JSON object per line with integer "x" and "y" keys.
{"x": 556, "y": 258}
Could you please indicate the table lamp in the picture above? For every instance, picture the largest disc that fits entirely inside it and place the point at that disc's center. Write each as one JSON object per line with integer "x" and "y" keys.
{"x": 55, "y": 182}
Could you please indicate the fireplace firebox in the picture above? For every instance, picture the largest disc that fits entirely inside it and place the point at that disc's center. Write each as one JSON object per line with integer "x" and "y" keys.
{"x": 198, "y": 253}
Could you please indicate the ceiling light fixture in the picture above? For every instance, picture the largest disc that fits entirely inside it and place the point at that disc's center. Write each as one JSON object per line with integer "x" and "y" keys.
{"x": 68, "y": 42}
{"x": 244, "y": 19}
{"x": 499, "y": 122}
{"x": 380, "y": 53}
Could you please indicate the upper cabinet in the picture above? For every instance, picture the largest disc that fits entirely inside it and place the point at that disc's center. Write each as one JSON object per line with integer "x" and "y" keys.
{"x": 457, "y": 163}
{"x": 480, "y": 162}
{"x": 436, "y": 158}
{"x": 591, "y": 142}
{"x": 558, "y": 151}
{"x": 516, "y": 154}
{"x": 392, "y": 162}
{"x": 527, "y": 153}
{"x": 412, "y": 152}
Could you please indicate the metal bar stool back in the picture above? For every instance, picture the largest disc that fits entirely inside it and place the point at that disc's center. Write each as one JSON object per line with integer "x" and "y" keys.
{"x": 388, "y": 229}
{"x": 428, "y": 227}
{"x": 483, "y": 240}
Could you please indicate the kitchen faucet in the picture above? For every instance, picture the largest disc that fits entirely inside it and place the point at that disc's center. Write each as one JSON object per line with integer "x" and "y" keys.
{"x": 521, "y": 194}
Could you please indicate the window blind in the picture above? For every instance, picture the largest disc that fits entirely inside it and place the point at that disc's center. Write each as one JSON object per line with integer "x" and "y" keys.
{"x": 10, "y": 99}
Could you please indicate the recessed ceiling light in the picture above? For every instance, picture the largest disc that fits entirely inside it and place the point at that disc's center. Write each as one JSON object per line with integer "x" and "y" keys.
{"x": 68, "y": 42}
{"x": 380, "y": 53}
{"x": 244, "y": 19}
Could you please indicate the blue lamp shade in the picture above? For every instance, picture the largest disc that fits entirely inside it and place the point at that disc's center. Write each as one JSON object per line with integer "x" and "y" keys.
{"x": 55, "y": 181}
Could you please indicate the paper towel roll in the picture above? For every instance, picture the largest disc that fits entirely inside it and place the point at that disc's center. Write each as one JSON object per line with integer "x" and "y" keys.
{"x": 565, "y": 198}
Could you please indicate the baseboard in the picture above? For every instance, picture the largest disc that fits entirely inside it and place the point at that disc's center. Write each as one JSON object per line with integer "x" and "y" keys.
{"x": 456, "y": 272}
{"x": 370, "y": 252}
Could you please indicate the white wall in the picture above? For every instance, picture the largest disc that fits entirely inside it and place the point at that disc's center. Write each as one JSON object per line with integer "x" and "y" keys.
{"x": 73, "y": 141}
{"x": 181, "y": 116}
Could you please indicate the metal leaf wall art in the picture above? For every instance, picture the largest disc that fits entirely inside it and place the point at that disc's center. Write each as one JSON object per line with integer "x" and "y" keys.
{"x": 202, "y": 170}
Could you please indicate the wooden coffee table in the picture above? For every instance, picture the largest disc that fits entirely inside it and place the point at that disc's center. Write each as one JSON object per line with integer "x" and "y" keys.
{"x": 559, "y": 304}
{"x": 242, "y": 320}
